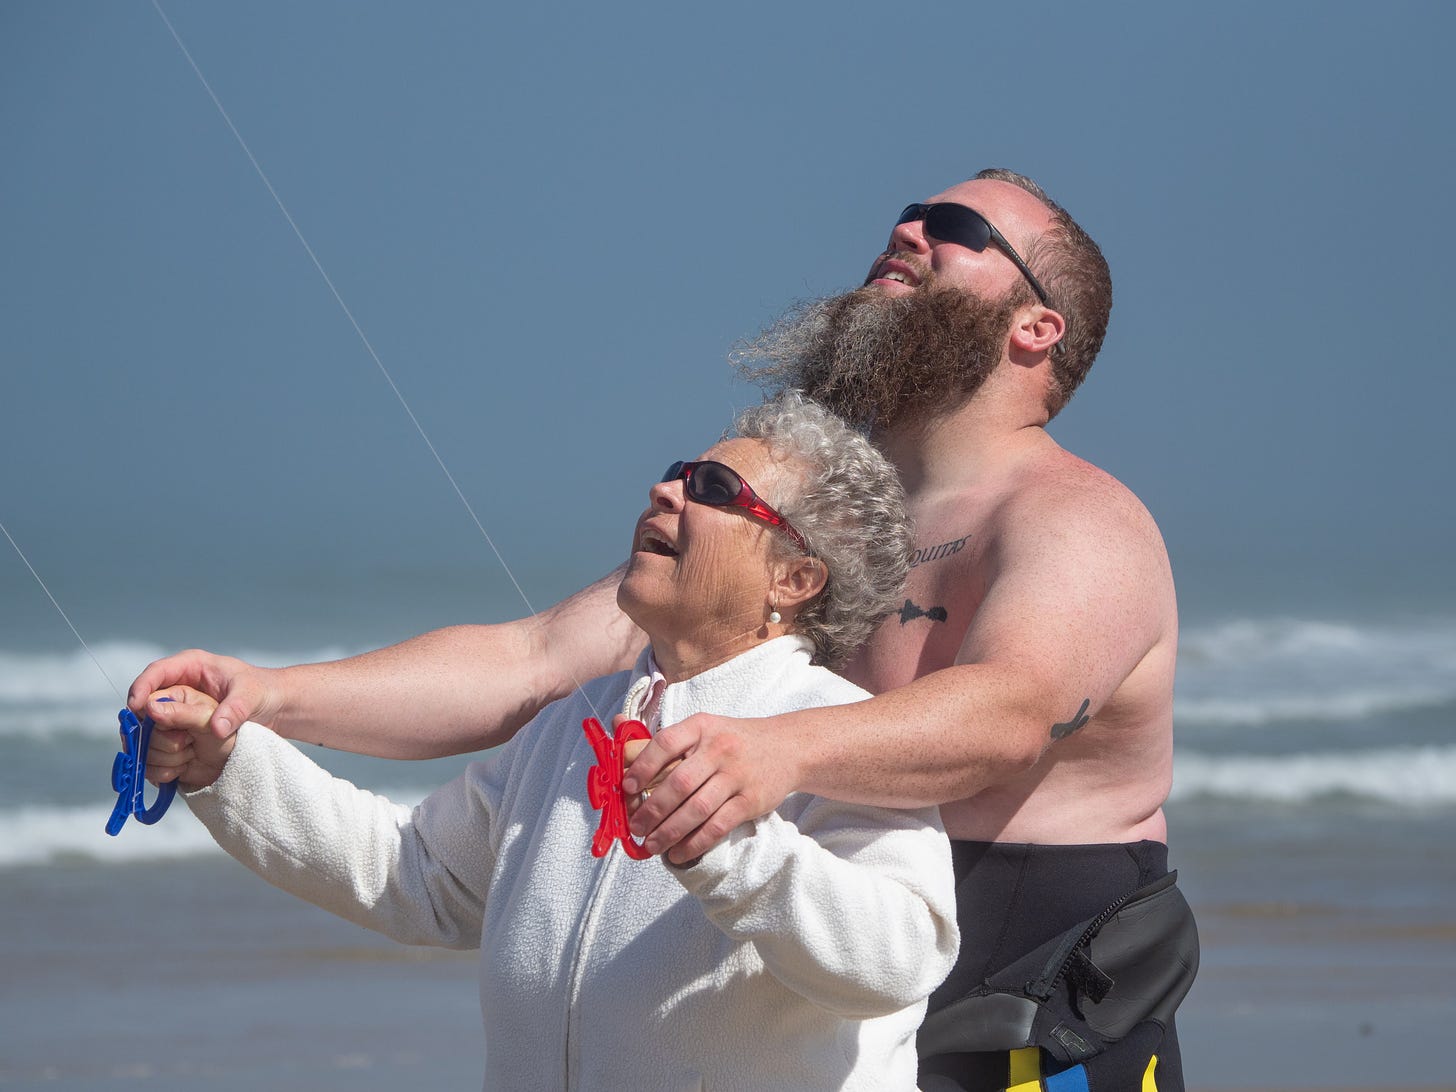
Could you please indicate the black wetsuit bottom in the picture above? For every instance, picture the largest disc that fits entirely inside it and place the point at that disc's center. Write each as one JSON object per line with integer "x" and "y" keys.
{"x": 1010, "y": 899}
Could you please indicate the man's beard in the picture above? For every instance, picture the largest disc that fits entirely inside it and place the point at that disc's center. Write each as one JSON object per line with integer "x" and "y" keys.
{"x": 880, "y": 361}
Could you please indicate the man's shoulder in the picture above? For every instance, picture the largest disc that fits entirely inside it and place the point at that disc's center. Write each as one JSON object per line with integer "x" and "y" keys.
{"x": 1061, "y": 490}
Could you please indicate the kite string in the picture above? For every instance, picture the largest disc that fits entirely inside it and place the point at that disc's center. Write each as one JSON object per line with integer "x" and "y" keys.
{"x": 338, "y": 298}
{"x": 62, "y": 613}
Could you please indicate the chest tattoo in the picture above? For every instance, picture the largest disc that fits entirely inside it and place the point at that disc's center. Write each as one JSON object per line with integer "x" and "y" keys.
{"x": 935, "y": 553}
{"x": 909, "y": 612}
{"x": 1079, "y": 718}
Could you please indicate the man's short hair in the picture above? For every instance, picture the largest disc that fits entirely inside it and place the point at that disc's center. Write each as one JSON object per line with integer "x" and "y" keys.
{"x": 1071, "y": 267}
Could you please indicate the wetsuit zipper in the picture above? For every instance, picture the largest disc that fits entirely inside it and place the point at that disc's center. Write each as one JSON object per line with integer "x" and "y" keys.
{"x": 1042, "y": 988}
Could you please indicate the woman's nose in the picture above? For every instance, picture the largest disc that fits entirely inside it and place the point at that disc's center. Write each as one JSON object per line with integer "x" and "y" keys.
{"x": 667, "y": 496}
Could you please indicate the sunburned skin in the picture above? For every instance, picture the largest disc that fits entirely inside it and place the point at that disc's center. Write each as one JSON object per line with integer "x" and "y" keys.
{"x": 1096, "y": 741}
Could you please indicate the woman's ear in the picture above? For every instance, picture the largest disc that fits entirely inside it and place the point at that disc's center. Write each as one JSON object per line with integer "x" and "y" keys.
{"x": 798, "y": 581}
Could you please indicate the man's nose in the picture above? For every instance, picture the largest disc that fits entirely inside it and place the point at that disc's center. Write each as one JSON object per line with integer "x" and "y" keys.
{"x": 910, "y": 236}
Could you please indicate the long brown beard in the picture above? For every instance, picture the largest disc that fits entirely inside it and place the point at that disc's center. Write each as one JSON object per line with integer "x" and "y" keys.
{"x": 879, "y": 361}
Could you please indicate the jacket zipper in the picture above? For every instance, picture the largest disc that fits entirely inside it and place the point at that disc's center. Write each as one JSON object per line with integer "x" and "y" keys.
{"x": 588, "y": 925}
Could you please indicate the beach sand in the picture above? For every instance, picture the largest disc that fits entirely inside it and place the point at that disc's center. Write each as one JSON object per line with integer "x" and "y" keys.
{"x": 1328, "y": 961}
{"x": 194, "y": 973}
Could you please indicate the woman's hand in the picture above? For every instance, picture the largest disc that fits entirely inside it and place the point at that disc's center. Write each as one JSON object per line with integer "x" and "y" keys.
{"x": 630, "y": 750}
{"x": 183, "y": 748}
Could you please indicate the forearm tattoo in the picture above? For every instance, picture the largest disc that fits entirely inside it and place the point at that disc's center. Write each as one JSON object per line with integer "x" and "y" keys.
{"x": 1079, "y": 718}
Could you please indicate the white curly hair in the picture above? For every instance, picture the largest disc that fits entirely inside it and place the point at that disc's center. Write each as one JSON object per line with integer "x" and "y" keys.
{"x": 850, "y": 508}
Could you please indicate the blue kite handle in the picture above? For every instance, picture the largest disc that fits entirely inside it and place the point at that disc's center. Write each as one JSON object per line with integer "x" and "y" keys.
{"x": 129, "y": 775}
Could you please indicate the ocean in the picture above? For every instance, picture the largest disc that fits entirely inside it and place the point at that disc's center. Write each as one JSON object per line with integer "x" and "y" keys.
{"x": 1311, "y": 821}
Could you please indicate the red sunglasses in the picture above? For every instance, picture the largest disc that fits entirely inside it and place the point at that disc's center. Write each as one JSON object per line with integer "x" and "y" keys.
{"x": 721, "y": 486}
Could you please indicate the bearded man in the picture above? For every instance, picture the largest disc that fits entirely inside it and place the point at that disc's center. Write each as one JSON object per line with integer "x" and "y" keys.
{"x": 1025, "y": 686}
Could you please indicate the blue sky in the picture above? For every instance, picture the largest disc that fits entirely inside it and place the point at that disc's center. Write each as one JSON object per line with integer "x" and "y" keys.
{"x": 553, "y": 221}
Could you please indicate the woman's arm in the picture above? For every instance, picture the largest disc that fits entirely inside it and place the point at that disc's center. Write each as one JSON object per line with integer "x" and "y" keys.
{"x": 418, "y": 876}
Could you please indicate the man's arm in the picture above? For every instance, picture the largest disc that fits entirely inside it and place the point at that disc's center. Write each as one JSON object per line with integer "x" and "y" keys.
{"x": 445, "y": 692}
{"x": 1075, "y": 602}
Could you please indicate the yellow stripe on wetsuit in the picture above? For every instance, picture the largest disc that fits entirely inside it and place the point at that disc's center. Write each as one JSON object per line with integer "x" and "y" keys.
{"x": 1025, "y": 1070}
{"x": 1150, "y": 1085}
{"x": 1024, "y": 1075}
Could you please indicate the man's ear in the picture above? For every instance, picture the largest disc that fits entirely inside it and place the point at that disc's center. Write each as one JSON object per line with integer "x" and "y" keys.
{"x": 1037, "y": 329}
{"x": 798, "y": 582}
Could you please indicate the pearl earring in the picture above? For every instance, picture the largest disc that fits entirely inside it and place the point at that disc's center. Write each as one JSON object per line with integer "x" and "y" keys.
{"x": 775, "y": 617}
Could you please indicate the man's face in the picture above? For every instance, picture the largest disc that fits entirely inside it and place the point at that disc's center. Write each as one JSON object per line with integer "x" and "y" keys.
{"x": 930, "y": 324}
{"x": 911, "y": 257}
{"x": 879, "y": 361}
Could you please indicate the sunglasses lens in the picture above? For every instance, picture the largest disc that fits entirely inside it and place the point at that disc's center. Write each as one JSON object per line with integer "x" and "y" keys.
{"x": 720, "y": 486}
{"x": 911, "y": 213}
{"x": 958, "y": 224}
{"x": 714, "y": 483}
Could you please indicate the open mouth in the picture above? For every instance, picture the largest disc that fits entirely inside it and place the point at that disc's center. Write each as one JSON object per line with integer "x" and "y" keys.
{"x": 895, "y": 271}
{"x": 651, "y": 542}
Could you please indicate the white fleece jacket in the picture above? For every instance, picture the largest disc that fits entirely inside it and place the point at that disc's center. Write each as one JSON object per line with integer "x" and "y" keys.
{"x": 796, "y": 955}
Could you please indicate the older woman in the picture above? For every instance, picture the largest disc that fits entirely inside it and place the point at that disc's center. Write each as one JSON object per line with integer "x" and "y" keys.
{"x": 799, "y": 953}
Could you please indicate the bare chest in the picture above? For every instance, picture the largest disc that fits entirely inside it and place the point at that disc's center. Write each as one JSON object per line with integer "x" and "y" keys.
{"x": 947, "y": 581}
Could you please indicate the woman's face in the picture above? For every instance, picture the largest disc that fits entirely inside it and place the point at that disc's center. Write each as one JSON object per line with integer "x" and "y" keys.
{"x": 701, "y": 576}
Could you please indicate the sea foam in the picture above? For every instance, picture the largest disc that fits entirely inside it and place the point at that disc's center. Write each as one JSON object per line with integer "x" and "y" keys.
{"x": 44, "y": 834}
{"x": 1264, "y": 671}
{"x": 48, "y": 694}
{"x": 1402, "y": 776}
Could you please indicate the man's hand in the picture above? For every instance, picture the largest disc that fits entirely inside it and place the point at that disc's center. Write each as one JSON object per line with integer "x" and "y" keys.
{"x": 242, "y": 691}
{"x": 726, "y": 777}
{"x": 183, "y": 750}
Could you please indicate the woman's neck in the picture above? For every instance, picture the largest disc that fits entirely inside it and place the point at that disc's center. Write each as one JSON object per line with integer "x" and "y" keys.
{"x": 681, "y": 656}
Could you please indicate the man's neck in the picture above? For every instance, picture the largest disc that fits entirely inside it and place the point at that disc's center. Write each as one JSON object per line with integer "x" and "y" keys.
{"x": 953, "y": 450}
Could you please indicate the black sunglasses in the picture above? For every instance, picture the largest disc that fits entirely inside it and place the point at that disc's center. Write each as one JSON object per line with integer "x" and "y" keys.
{"x": 964, "y": 226}
{"x": 721, "y": 486}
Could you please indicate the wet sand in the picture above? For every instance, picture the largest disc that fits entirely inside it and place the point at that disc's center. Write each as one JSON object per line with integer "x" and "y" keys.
{"x": 197, "y": 974}
{"x": 1328, "y": 959}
